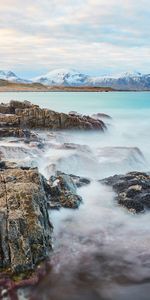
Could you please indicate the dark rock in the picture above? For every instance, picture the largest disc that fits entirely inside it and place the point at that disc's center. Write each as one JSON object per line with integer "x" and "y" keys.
{"x": 5, "y": 109}
{"x": 25, "y": 229}
{"x": 101, "y": 116}
{"x": 14, "y": 104}
{"x": 80, "y": 181}
{"x": 75, "y": 113}
{"x": 133, "y": 190}
{"x": 63, "y": 192}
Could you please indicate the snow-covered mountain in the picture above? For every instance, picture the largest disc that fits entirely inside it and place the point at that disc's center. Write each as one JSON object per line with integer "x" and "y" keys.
{"x": 69, "y": 77}
{"x": 125, "y": 81}
{"x": 63, "y": 77}
{"x": 12, "y": 77}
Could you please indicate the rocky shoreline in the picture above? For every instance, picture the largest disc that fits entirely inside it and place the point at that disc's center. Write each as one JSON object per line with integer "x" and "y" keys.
{"x": 24, "y": 115}
{"x": 26, "y": 230}
{"x": 26, "y": 196}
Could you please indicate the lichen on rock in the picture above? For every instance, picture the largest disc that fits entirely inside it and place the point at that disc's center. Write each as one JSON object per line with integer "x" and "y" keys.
{"x": 25, "y": 229}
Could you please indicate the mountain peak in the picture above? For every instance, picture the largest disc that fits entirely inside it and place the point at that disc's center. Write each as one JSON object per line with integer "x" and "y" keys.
{"x": 11, "y": 74}
{"x": 71, "y": 77}
{"x": 67, "y": 77}
{"x": 131, "y": 74}
{"x": 12, "y": 77}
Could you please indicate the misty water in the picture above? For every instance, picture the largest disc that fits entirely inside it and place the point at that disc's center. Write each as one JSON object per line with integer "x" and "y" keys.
{"x": 101, "y": 251}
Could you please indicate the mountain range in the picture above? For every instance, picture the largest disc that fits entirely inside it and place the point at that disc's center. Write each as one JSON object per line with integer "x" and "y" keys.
{"x": 73, "y": 78}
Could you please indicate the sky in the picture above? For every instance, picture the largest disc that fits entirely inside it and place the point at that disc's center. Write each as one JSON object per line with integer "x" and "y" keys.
{"x": 92, "y": 36}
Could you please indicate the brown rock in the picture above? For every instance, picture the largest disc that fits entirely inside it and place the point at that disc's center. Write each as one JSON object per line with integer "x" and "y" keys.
{"x": 26, "y": 115}
{"x": 15, "y": 132}
{"x": 9, "y": 120}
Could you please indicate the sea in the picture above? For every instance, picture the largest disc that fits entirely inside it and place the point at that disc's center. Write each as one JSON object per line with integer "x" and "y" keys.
{"x": 100, "y": 251}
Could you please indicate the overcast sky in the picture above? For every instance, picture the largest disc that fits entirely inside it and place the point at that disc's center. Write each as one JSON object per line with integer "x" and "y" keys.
{"x": 94, "y": 36}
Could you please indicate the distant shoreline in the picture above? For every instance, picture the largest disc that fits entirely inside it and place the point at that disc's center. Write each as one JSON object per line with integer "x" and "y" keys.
{"x": 68, "y": 91}
{"x": 6, "y": 86}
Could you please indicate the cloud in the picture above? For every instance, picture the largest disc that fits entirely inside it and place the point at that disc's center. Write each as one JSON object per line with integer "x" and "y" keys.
{"x": 91, "y": 35}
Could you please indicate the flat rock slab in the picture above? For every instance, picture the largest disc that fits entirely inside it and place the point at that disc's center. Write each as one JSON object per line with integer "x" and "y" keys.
{"x": 25, "y": 229}
{"x": 132, "y": 189}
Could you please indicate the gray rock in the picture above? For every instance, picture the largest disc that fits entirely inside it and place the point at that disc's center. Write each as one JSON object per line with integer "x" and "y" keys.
{"x": 80, "y": 181}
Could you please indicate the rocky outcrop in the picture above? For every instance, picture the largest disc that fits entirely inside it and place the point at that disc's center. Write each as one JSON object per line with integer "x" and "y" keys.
{"x": 25, "y": 115}
{"x": 25, "y": 229}
{"x": 62, "y": 190}
{"x": 80, "y": 181}
{"x": 101, "y": 116}
{"x": 9, "y": 108}
{"x": 132, "y": 189}
{"x": 75, "y": 113}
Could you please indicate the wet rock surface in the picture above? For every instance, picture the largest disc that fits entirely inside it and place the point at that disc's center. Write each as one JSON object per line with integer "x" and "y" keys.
{"x": 63, "y": 190}
{"x": 25, "y": 229}
{"x": 80, "y": 181}
{"x": 132, "y": 189}
{"x": 25, "y": 115}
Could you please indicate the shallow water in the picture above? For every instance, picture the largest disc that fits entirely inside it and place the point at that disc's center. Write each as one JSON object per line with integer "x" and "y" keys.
{"x": 100, "y": 250}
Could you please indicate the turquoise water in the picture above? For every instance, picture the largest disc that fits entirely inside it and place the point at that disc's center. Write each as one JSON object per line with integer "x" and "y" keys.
{"x": 130, "y": 111}
{"x": 84, "y": 102}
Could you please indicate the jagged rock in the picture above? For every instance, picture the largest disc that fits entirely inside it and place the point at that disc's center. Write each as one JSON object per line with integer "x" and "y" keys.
{"x": 25, "y": 229}
{"x": 133, "y": 190}
{"x": 14, "y": 104}
{"x": 63, "y": 192}
{"x": 5, "y": 109}
{"x": 80, "y": 181}
{"x": 75, "y": 113}
{"x": 26, "y": 115}
{"x": 101, "y": 116}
